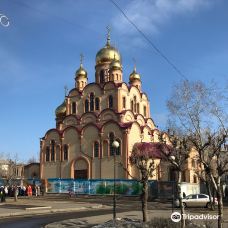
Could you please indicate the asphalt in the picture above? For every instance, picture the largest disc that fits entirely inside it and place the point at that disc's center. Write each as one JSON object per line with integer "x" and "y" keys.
{"x": 26, "y": 206}
{"x": 35, "y": 205}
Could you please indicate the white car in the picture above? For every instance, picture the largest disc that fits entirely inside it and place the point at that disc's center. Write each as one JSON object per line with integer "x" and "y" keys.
{"x": 196, "y": 200}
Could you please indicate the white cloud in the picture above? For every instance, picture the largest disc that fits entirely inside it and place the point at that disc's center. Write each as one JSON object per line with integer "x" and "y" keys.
{"x": 149, "y": 15}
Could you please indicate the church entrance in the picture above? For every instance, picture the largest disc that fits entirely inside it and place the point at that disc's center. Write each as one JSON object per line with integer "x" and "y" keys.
{"x": 81, "y": 169}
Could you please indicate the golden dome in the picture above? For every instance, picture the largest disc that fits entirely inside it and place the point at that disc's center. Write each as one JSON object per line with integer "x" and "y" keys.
{"x": 81, "y": 72}
{"x": 107, "y": 53}
{"x": 116, "y": 65}
{"x": 61, "y": 110}
{"x": 134, "y": 75}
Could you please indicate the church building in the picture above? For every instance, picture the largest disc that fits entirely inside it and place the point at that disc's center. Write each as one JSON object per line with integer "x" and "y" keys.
{"x": 93, "y": 116}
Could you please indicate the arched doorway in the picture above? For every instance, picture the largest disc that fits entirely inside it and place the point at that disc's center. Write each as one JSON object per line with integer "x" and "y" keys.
{"x": 81, "y": 169}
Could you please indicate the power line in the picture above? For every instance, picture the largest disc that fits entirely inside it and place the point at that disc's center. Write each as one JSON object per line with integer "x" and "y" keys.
{"x": 149, "y": 41}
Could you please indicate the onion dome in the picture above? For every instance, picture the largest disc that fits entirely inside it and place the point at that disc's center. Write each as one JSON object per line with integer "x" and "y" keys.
{"x": 81, "y": 72}
{"x": 115, "y": 64}
{"x": 134, "y": 75}
{"x": 61, "y": 110}
{"x": 107, "y": 53}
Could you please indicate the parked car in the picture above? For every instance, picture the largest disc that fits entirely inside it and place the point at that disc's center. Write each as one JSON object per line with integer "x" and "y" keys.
{"x": 196, "y": 200}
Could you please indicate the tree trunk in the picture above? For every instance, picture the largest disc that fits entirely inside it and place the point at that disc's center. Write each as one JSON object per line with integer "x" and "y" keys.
{"x": 220, "y": 204}
{"x": 212, "y": 203}
{"x": 180, "y": 199}
{"x": 144, "y": 200}
{"x": 15, "y": 193}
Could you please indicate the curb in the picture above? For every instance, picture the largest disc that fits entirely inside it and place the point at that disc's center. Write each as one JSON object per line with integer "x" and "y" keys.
{"x": 37, "y": 211}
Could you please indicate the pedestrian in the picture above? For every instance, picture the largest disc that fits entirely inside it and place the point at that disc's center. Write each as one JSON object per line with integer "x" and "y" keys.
{"x": 184, "y": 195}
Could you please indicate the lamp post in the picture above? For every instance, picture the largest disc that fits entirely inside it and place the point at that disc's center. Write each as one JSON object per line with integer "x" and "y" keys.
{"x": 173, "y": 159}
{"x": 115, "y": 145}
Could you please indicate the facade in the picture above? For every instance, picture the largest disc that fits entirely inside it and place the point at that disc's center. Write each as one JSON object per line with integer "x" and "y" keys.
{"x": 92, "y": 116}
{"x": 32, "y": 170}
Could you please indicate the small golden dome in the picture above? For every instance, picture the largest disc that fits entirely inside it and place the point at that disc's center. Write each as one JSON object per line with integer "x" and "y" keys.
{"x": 116, "y": 65}
{"x": 81, "y": 72}
{"x": 134, "y": 75}
{"x": 61, "y": 110}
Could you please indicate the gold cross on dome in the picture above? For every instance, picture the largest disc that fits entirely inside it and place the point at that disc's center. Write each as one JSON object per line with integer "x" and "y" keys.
{"x": 108, "y": 34}
{"x": 81, "y": 58}
{"x": 134, "y": 60}
{"x": 66, "y": 90}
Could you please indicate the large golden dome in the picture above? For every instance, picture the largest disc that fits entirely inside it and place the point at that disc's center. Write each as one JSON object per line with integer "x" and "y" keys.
{"x": 61, "y": 110}
{"x": 108, "y": 53}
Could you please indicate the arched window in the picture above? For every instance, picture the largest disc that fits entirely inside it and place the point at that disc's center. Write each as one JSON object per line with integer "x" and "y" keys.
{"x": 134, "y": 103}
{"x": 102, "y": 78}
{"x": 65, "y": 152}
{"x": 124, "y": 102}
{"x": 131, "y": 105}
{"x": 137, "y": 108}
{"x": 73, "y": 108}
{"x": 110, "y": 101}
{"x": 91, "y": 102}
{"x": 86, "y": 105}
{"x": 118, "y": 150}
{"x": 96, "y": 149}
{"x": 111, "y": 140}
{"x": 47, "y": 154}
{"x": 144, "y": 110}
{"x": 97, "y": 104}
{"x": 52, "y": 150}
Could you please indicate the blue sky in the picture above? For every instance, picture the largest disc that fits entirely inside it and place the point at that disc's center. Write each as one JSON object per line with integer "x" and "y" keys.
{"x": 40, "y": 52}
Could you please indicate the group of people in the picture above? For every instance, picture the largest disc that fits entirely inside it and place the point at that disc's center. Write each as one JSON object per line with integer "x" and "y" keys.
{"x": 20, "y": 191}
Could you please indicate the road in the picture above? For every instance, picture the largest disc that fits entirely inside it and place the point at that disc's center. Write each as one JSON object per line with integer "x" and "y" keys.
{"x": 123, "y": 205}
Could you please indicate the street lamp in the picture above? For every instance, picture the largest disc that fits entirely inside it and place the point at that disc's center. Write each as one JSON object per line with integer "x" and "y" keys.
{"x": 172, "y": 158}
{"x": 115, "y": 145}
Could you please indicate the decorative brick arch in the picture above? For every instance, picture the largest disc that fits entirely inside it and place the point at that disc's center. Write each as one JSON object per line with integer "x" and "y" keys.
{"x": 86, "y": 160}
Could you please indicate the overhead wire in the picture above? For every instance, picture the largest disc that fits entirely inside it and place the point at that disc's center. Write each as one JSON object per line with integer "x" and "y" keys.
{"x": 149, "y": 41}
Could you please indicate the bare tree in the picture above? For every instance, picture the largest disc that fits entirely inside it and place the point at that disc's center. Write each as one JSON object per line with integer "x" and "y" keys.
{"x": 143, "y": 159}
{"x": 177, "y": 154}
{"x": 200, "y": 111}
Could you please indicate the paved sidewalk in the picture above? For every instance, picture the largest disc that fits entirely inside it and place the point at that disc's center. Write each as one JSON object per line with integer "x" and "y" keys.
{"x": 31, "y": 206}
{"x": 95, "y": 220}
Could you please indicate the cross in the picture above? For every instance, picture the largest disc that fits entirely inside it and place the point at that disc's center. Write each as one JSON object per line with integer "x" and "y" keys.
{"x": 134, "y": 63}
{"x": 66, "y": 90}
{"x": 108, "y": 34}
{"x": 81, "y": 58}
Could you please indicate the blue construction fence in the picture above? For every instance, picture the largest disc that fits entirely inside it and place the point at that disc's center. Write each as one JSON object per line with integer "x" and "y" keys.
{"x": 157, "y": 189}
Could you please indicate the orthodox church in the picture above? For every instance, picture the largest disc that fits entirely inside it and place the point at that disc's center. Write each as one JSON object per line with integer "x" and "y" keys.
{"x": 93, "y": 116}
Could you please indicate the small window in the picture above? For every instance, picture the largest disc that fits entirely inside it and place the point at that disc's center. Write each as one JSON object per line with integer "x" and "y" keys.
{"x": 124, "y": 102}
{"x": 52, "y": 150}
{"x": 47, "y": 154}
{"x": 102, "y": 78}
{"x": 110, "y": 101}
{"x": 97, "y": 104}
{"x": 73, "y": 108}
{"x": 132, "y": 106}
{"x": 96, "y": 149}
{"x": 137, "y": 108}
{"x": 144, "y": 110}
{"x": 65, "y": 152}
{"x": 111, "y": 140}
{"x": 118, "y": 150}
{"x": 86, "y": 105}
{"x": 91, "y": 102}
